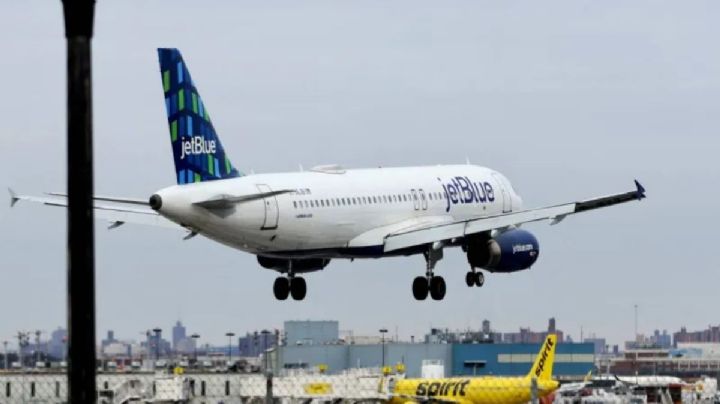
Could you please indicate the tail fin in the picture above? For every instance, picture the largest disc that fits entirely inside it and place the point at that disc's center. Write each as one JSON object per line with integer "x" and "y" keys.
{"x": 543, "y": 366}
{"x": 199, "y": 155}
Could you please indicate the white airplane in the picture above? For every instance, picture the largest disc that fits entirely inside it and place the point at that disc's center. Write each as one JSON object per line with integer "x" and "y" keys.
{"x": 297, "y": 222}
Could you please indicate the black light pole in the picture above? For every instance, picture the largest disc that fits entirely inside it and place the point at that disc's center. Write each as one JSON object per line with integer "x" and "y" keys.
{"x": 383, "y": 331}
{"x": 229, "y": 335}
{"x": 80, "y": 227}
{"x": 195, "y": 337}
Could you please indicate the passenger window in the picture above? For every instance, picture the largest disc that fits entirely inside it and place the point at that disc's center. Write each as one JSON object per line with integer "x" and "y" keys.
{"x": 364, "y": 200}
{"x": 322, "y": 203}
{"x": 354, "y": 201}
{"x": 295, "y": 204}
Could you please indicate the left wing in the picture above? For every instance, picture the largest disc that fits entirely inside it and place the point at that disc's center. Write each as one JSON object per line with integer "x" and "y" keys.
{"x": 459, "y": 229}
{"x": 117, "y": 211}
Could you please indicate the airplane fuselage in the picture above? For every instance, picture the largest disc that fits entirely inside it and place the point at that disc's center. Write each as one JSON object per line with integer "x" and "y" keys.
{"x": 331, "y": 212}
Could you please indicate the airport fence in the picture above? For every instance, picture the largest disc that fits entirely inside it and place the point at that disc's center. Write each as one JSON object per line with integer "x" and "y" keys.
{"x": 199, "y": 388}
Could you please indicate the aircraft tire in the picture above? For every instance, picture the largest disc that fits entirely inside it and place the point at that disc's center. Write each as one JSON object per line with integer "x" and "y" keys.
{"x": 281, "y": 288}
{"x": 470, "y": 279}
{"x": 479, "y": 279}
{"x": 420, "y": 288}
{"x": 437, "y": 288}
{"x": 298, "y": 288}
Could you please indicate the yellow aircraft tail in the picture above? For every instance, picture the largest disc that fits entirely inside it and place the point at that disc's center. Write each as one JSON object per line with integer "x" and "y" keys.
{"x": 543, "y": 367}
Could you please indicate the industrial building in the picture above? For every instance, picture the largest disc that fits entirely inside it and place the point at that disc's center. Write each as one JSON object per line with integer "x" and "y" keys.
{"x": 310, "y": 344}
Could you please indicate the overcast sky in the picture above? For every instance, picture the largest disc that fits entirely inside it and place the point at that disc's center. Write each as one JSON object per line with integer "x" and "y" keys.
{"x": 569, "y": 99}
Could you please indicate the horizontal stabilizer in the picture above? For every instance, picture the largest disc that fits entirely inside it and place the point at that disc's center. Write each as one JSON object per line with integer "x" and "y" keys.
{"x": 13, "y": 197}
{"x": 131, "y": 201}
{"x": 225, "y": 201}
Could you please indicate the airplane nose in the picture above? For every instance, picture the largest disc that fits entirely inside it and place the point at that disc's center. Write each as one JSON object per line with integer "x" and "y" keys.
{"x": 156, "y": 202}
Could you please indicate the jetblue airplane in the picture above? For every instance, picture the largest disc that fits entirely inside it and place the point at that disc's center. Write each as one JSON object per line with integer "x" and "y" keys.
{"x": 298, "y": 222}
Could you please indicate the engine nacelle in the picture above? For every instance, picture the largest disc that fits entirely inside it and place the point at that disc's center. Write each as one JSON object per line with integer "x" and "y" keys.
{"x": 509, "y": 251}
{"x": 298, "y": 265}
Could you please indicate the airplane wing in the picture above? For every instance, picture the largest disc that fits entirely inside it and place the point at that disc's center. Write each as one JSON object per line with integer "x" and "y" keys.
{"x": 448, "y": 231}
{"x": 117, "y": 211}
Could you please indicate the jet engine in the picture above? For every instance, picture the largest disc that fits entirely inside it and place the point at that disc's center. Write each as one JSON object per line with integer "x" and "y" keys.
{"x": 299, "y": 265}
{"x": 509, "y": 251}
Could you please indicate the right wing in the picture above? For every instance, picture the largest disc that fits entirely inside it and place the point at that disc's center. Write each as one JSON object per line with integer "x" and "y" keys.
{"x": 117, "y": 211}
{"x": 459, "y": 229}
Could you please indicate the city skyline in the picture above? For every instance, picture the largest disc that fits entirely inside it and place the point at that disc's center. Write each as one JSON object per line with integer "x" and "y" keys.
{"x": 643, "y": 339}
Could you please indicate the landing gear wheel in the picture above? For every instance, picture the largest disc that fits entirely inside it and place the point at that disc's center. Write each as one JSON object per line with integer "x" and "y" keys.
{"x": 281, "y": 288}
{"x": 420, "y": 288}
{"x": 298, "y": 288}
{"x": 437, "y": 288}
{"x": 470, "y": 278}
{"x": 479, "y": 279}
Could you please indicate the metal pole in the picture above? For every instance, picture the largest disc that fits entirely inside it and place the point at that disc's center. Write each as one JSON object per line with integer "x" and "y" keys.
{"x": 81, "y": 248}
{"x": 5, "y": 362}
{"x": 636, "y": 325}
{"x": 269, "y": 388}
{"x": 534, "y": 391}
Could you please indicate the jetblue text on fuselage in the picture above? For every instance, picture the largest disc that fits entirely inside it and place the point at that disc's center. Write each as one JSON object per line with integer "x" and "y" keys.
{"x": 196, "y": 145}
{"x": 463, "y": 190}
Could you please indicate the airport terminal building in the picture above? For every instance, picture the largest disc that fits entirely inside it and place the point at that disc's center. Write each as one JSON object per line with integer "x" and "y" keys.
{"x": 572, "y": 360}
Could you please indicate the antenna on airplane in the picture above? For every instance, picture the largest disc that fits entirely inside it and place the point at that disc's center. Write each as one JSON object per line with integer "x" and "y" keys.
{"x": 301, "y": 167}
{"x": 467, "y": 160}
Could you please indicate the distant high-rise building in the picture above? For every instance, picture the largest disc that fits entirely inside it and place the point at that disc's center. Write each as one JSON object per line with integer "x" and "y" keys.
{"x": 178, "y": 334}
{"x": 109, "y": 339}
{"x": 253, "y": 344}
{"x": 486, "y": 326}
{"x": 57, "y": 346}
{"x": 527, "y": 336}
{"x": 711, "y": 334}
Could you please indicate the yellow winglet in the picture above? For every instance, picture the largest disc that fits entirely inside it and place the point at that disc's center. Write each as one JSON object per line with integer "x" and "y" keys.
{"x": 543, "y": 366}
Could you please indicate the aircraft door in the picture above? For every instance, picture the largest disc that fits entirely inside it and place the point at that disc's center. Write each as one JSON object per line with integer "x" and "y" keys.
{"x": 506, "y": 202}
{"x": 271, "y": 209}
{"x": 423, "y": 199}
{"x": 416, "y": 202}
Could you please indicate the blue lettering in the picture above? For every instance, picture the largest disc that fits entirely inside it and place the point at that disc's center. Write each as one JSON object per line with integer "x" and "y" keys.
{"x": 446, "y": 194}
{"x": 480, "y": 194}
{"x": 466, "y": 192}
{"x": 452, "y": 192}
{"x": 489, "y": 191}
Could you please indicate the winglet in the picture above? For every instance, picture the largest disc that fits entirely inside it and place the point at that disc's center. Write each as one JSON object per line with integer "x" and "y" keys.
{"x": 13, "y": 197}
{"x": 640, "y": 190}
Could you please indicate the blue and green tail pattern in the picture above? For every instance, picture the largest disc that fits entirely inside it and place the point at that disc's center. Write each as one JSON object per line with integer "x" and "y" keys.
{"x": 199, "y": 155}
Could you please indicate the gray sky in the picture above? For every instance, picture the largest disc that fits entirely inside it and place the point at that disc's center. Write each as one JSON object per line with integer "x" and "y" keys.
{"x": 570, "y": 99}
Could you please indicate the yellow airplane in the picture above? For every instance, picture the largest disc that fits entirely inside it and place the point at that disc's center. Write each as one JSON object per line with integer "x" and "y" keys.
{"x": 482, "y": 390}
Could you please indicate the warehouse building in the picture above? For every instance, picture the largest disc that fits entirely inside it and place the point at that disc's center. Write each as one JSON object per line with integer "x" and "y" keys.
{"x": 572, "y": 360}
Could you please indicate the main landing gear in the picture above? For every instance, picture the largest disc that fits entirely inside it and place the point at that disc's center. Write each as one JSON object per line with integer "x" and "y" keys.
{"x": 473, "y": 278}
{"x": 434, "y": 285}
{"x": 290, "y": 285}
